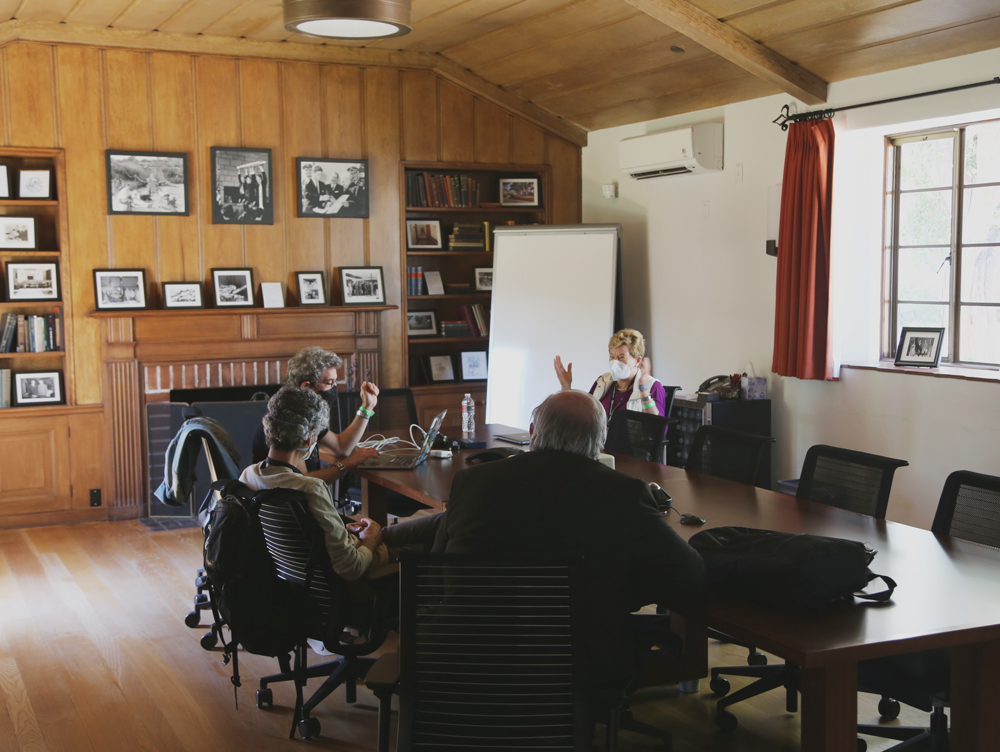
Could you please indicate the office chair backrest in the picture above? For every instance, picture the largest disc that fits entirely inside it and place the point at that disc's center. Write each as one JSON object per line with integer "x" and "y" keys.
{"x": 638, "y": 434}
{"x": 669, "y": 404}
{"x": 970, "y": 508}
{"x": 395, "y": 409}
{"x": 727, "y": 453}
{"x": 491, "y": 655}
{"x": 855, "y": 481}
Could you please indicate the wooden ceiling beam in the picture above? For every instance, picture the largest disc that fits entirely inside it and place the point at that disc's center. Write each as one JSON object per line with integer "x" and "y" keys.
{"x": 736, "y": 47}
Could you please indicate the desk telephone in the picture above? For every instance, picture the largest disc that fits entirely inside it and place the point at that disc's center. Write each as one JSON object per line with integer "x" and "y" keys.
{"x": 715, "y": 384}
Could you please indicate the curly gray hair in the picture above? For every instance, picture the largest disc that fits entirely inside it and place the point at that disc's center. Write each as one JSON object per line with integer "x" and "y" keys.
{"x": 570, "y": 421}
{"x": 308, "y": 365}
{"x": 292, "y": 414}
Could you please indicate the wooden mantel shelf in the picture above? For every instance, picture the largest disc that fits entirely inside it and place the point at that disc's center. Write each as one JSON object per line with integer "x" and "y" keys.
{"x": 240, "y": 310}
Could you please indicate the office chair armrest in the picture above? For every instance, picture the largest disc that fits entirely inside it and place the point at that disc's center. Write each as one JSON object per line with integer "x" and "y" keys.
{"x": 384, "y": 675}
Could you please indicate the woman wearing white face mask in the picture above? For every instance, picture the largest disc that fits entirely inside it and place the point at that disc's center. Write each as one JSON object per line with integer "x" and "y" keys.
{"x": 628, "y": 384}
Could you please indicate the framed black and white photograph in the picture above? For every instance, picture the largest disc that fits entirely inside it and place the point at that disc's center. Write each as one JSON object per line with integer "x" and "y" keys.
{"x": 233, "y": 288}
{"x": 420, "y": 324}
{"x": 441, "y": 367}
{"x": 34, "y": 184}
{"x": 332, "y": 187}
{"x": 362, "y": 285}
{"x": 32, "y": 280}
{"x": 484, "y": 278}
{"x": 147, "y": 182}
{"x": 920, "y": 346}
{"x": 423, "y": 233}
{"x": 474, "y": 366}
{"x": 38, "y": 388}
{"x": 183, "y": 295}
{"x": 4, "y": 182}
{"x": 119, "y": 289}
{"x": 518, "y": 192}
{"x": 17, "y": 232}
{"x": 311, "y": 287}
{"x": 242, "y": 188}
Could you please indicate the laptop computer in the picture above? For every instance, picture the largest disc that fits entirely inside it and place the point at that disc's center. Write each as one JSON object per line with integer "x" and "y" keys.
{"x": 407, "y": 461}
{"x": 515, "y": 438}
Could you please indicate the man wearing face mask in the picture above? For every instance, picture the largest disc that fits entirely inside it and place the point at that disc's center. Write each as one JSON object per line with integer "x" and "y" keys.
{"x": 628, "y": 385}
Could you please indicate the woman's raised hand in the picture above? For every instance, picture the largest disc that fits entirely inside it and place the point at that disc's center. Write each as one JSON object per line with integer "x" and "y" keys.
{"x": 565, "y": 375}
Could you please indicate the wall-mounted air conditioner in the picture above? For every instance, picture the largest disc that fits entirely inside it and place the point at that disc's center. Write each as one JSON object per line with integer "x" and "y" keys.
{"x": 679, "y": 152}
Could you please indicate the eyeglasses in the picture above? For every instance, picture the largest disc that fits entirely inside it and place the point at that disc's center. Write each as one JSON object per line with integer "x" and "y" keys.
{"x": 329, "y": 384}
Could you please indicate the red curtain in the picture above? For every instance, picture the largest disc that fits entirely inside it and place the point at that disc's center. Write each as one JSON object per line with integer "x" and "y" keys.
{"x": 802, "y": 299}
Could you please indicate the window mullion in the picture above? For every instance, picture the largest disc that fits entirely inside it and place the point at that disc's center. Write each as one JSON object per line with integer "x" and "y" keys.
{"x": 958, "y": 203}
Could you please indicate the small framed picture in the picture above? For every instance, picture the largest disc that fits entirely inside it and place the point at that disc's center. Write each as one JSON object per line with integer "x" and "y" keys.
{"x": 474, "y": 366}
{"x": 17, "y": 232}
{"x": 4, "y": 182}
{"x": 311, "y": 287}
{"x": 34, "y": 184}
{"x": 119, "y": 289}
{"x": 362, "y": 285}
{"x": 919, "y": 346}
{"x": 233, "y": 288}
{"x": 32, "y": 280}
{"x": 518, "y": 192}
{"x": 423, "y": 233}
{"x": 147, "y": 182}
{"x": 242, "y": 188}
{"x": 441, "y": 367}
{"x": 182, "y": 295}
{"x": 484, "y": 277}
{"x": 38, "y": 388}
{"x": 271, "y": 295}
{"x": 332, "y": 187}
{"x": 420, "y": 324}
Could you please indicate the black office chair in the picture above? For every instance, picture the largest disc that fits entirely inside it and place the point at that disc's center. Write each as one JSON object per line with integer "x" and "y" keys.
{"x": 641, "y": 435}
{"x": 727, "y": 453}
{"x": 669, "y": 404}
{"x": 491, "y": 655}
{"x": 969, "y": 509}
{"x": 396, "y": 409}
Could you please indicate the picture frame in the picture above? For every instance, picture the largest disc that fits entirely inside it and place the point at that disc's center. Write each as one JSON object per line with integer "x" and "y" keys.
{"x": 441, "y": 368}
{"x": 484, "y": 278}
{"x": 421, "y": 324}
{"x": 34, "y": 184}
{"x": 518, "y": 191}
{"x": 147, "y": 182}
{"x": 332, "y": 188}
{"x": 423, "y": 234}
{"x": 183, "y": 295}
{"x": 242, "y": 186}
{"x": 32, "y": 280}
{"x": 474, "y": 366}
{"x": 362, "y": 285}
{"x": 311, "y": 287}
{"x": 920, "y": 346}
{"x": 233, "y": 288}
{"x": 116, "y": 289}
{"x": 4, "y": 182}
{"x": 17, "y": 232}
{"x": 271, "y": 295}
{"x": 37, "y": 388}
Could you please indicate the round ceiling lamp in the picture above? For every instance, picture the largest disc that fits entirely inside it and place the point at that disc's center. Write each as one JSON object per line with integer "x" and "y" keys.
{"x": 348, "y": 19}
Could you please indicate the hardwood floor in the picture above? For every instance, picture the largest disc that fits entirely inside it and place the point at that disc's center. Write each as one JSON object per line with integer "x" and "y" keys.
{"x": 95, "y": 657}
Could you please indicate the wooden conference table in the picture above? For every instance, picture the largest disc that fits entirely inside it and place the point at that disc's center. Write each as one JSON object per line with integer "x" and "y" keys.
{"x": 948, "y": 596}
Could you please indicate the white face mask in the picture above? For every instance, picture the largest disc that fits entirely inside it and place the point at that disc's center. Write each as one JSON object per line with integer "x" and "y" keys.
{"x": 620, "y": 371}
{"x": 310, "y": 450}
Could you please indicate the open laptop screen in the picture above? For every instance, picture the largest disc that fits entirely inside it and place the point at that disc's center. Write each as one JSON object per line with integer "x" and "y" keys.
{"x": 431, "y": 434}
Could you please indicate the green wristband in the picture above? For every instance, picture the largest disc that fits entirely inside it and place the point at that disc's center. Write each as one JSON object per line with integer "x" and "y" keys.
{"x": 364, "y": 412}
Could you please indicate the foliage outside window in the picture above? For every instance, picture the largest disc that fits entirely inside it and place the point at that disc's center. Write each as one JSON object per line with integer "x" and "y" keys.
{"x": 942, "y": 240}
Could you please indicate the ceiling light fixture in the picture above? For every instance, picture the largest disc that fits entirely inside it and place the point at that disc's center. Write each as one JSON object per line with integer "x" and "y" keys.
{"x": 348, "y": 19}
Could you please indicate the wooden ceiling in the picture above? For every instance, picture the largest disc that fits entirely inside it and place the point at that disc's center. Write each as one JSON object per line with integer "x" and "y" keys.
{"x": 584, "y": 64}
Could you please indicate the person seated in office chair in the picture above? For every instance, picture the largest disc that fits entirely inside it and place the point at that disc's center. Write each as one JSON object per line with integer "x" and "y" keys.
{"x": 628, "y": 385}
{"x": 559, "y": 498}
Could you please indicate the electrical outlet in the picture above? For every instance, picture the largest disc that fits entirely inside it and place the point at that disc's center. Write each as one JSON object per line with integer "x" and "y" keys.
{"x": 95, "y": 497}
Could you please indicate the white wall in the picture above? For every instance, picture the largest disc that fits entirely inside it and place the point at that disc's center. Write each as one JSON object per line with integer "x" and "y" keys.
{"x": 700, "y": 287}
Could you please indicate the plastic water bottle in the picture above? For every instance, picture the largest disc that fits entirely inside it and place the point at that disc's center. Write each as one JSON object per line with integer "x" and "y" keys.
{"x": 468, "y": 414}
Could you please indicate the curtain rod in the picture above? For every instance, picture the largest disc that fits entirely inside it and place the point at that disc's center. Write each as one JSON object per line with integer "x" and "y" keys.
{"x": 784, "y": 118}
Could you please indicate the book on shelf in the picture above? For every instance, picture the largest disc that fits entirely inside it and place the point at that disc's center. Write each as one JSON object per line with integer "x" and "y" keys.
{"x": 482, "y": 318}
{"x": 467, "y": 236}
{"x": 455, "y": 329}
{"x": 470, "y": 319}
{"x": 31, "y": 333}
{"x": 441, "y": 191}
{"x": 5, "y": 385}
{"x": 8, "y": 326}
{"x": 414, "y": 280}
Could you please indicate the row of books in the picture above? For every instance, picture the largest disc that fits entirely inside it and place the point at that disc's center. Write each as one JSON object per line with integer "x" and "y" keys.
{"x": 450, "y": 191}
{"x": 414, "y": 280}
{"x": 29, "y": 333}
{"x": 477, "y": 317}
{"x": 469, "y": 236}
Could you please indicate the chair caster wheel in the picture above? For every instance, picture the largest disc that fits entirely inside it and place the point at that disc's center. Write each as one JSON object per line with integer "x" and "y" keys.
{"x": 209, "y": 640}
{"x": 309, "y": 728}
{"x": 888, "y": 709}
{"x": 757, "y": 659}
{"x": 719, "y": 686}
{"x": 726, "y": 721}
{"x": 193, "y": 619}
{"x": 265, "y": 699}
{"x": 862, "y": 745}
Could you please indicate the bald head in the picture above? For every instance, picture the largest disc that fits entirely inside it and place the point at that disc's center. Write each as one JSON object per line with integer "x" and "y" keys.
{"x": 570, "y": 421}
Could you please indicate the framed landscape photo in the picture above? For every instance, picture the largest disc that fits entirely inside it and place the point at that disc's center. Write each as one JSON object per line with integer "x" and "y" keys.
{"x": 38, "y": 388}
{"x": 182, "y": 295}
{"x": 17, "y": 232}
{"x": 233, "y": 288}
{"x": 420, "y": 324}
{"x": 34, "y": 184}
{"x": 362, "y": 285}
{"x": 311, "y": 287}
{"x": 147, "y": 182}
{"x": 441, "y": 367}
{"x": 484, "y": 278}
{"x": 518, "y": 192}
{"x": 474, "y": 366}
{"x": 920, "y": 346}
{"x": 423, "y": 233}
{"x": 242, "y": 186}
{"x": 32, "y": 280}
{"x": 119, "y": 289}
{"x": 332, "y": 187}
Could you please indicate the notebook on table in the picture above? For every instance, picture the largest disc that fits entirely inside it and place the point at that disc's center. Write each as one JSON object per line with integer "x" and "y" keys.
{"x": 407, "y": 461}
{"x": 515, "y": 438}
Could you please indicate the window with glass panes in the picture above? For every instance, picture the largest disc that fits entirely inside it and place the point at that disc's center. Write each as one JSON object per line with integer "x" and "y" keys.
{"x": 942, "y": 240}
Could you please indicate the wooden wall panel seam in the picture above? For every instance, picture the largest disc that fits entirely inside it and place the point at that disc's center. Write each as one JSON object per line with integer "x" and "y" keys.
{"x": 5, "y": 97}
{"x": 196, "y": 167}
{"x": 54, "y": 89}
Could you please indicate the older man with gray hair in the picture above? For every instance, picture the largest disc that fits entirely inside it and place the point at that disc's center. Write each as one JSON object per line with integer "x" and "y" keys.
{"x": 559, "y": 498}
